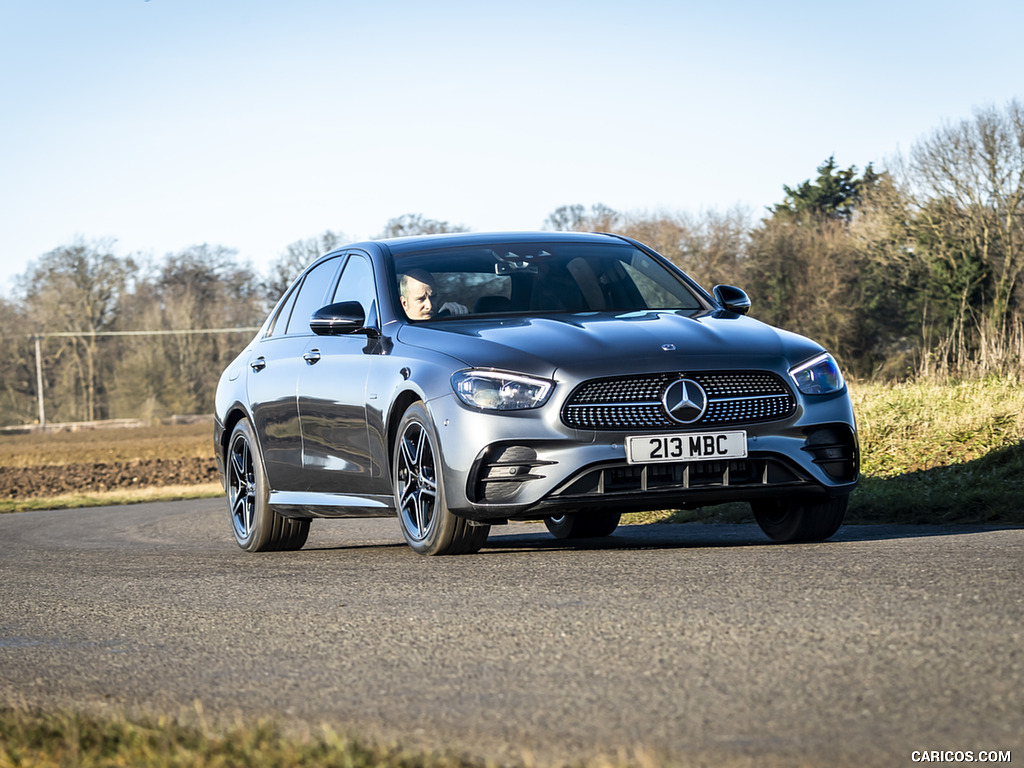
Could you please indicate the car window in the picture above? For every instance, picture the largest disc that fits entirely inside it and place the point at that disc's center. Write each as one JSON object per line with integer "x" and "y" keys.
{"x": 542, "y": 278}
{"x": 478, "y": 292}
{"x": 312, "y": 294}
{"x": 356, "y": 284}
{"x": 654, "y": 283}
{"x": 280, "y": 320}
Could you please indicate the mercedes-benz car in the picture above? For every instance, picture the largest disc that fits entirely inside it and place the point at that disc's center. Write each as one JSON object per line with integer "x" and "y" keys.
{"x": 461, "y": 381}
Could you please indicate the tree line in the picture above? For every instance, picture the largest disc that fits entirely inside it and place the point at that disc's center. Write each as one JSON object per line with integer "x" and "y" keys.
{"x": 912, "y": 270}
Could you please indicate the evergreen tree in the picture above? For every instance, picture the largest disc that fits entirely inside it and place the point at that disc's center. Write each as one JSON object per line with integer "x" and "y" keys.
{"x": 833, "y": 195}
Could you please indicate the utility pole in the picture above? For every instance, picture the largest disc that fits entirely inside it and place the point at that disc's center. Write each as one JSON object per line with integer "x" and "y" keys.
{"x": 39, "y": 383}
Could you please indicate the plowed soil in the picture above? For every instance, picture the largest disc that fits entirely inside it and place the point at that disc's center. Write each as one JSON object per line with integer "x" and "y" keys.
{"x": 88, "y": 461}
{"x": 53, "y": 480}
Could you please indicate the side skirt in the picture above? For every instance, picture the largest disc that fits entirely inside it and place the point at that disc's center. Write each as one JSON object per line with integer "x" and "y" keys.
{"x": 304, "y": 505}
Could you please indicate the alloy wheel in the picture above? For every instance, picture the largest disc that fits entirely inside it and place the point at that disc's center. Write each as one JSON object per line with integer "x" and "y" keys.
{"x": 417, "y": 481}
{"x": 241, "y": 487}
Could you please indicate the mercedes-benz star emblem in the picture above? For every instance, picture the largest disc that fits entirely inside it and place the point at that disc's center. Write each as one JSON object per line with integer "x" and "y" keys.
{"x": 684, "y": 401}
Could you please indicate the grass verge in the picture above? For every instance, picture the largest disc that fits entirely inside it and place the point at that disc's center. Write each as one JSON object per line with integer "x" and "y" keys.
{"x": 940, "y": 453}
{"x": 113, "y": 498}
{"x": 44, "y": 740}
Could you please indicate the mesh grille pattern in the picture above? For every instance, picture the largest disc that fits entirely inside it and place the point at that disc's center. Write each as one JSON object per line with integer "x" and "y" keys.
{"x": 634, "y": 402}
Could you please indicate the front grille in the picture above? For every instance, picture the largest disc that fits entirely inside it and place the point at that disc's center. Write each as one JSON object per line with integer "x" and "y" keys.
{"x": 634, "y": 402}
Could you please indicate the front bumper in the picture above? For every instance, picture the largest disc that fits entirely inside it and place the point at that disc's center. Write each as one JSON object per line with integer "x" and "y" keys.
{"x": 530, "y": 465}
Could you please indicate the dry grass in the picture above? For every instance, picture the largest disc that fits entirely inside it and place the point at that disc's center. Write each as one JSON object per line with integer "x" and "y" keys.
{"x": 114, "y": 498}
{"x": 34, "y": 739}
{"x": 940, "y": 453}
{"x": 43, "y": 740}
{"x": 917, "y": 426}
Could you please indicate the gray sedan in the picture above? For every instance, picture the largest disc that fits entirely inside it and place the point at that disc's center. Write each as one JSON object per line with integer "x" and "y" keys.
{"x": 461, "y": 381}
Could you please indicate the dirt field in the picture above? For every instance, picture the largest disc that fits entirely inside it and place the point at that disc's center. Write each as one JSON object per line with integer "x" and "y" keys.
{"x": 41, "y": 465}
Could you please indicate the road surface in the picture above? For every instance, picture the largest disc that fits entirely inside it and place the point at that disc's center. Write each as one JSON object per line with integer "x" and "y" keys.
{"x": 702, "y": 643}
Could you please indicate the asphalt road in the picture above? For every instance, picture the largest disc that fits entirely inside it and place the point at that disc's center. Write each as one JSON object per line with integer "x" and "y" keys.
{"x": 702, "y": 643}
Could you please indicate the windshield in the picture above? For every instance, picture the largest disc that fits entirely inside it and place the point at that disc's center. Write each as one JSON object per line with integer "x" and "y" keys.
{"x": 537, "y": 278}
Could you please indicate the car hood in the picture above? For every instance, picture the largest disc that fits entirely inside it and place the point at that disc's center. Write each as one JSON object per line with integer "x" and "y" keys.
{"x": 593, "y": 344}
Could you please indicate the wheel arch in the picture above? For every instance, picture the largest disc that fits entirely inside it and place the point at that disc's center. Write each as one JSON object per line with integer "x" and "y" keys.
{"x": 399, "y": 406}
{"x": 231, "y": 419}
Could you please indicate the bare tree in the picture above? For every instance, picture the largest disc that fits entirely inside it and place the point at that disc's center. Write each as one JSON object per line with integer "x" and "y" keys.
{"x": 576, "y": 218}
{"x": 17, "y": 375}
{"x": 77, "y": 288}
{"x": 711, "y": 248}
{"x": 297, "y": 257}
{"x": 965, "y": 183}
{"x": 199, "y": 288}
{"x": 804, "y": 276}
{"x": 416, "y": 224}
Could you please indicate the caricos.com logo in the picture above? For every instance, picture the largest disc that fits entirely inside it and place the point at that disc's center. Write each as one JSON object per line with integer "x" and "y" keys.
{"x": 960, "y": 756}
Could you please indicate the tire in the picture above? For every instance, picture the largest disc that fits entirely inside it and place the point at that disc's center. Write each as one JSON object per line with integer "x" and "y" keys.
{"x": 429, "y": 528}
{"x": 586, "y": 525}
{"x": 256, "y": 526}
{"x": 788, "y": 521}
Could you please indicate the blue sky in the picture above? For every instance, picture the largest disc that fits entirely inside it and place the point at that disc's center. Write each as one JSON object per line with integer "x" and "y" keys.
{"x": 168, "y": 123}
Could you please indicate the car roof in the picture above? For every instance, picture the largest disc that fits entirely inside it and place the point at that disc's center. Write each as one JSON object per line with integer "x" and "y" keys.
{"x": 411, "y": 243}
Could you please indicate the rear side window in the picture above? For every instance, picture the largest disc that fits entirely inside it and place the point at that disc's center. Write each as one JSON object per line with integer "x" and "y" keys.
{"x": 281, "y": 318}
{"x": 312, "y": 294}
{"x": 357, "y": 284}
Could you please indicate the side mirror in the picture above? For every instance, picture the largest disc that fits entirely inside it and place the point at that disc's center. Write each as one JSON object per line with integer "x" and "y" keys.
{"x": 732, "y": 299}
{"x": 339, "y": 319}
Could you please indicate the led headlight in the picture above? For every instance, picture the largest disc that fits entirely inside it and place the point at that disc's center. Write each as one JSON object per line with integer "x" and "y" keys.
{"x": 818, "y": 376}
{"x": 497, "y": 391}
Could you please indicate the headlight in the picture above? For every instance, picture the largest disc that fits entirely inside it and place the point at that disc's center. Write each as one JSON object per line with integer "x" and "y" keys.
{"x": 496, "y": 391}
{"x": 818, "y": 376}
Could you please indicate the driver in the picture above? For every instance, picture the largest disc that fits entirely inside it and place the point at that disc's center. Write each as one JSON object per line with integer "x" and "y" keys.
{"x": 418, "y": 295}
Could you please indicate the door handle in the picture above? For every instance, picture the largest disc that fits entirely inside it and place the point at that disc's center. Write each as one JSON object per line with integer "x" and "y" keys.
{"x": 312, "y": 357}
{"x": 258, "y": 364}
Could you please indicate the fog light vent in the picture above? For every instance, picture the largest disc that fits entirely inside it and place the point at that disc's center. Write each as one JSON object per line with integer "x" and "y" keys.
{"x": 834, "y": 449}
{"x": 501, "y": 472}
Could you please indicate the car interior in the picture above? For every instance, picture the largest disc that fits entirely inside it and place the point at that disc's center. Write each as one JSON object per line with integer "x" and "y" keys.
{"x": 569, "y": 279}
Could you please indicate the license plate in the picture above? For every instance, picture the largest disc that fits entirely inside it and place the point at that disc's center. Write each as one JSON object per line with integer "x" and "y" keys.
{"x": 699, "y": 446}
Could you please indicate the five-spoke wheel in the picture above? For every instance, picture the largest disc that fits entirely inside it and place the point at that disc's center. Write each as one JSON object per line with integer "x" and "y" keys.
{"x": 256, "y": 526}
{"x": 427, "y": 525}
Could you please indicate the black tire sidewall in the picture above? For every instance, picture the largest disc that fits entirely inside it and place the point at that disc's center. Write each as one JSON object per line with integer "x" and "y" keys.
{"x": 560, "y": 527}
{"x": 786, "y": 521}
{"x": 270, "y": 531}
{"x": 260, "y": 531}
{"x": 583, "y": 525}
